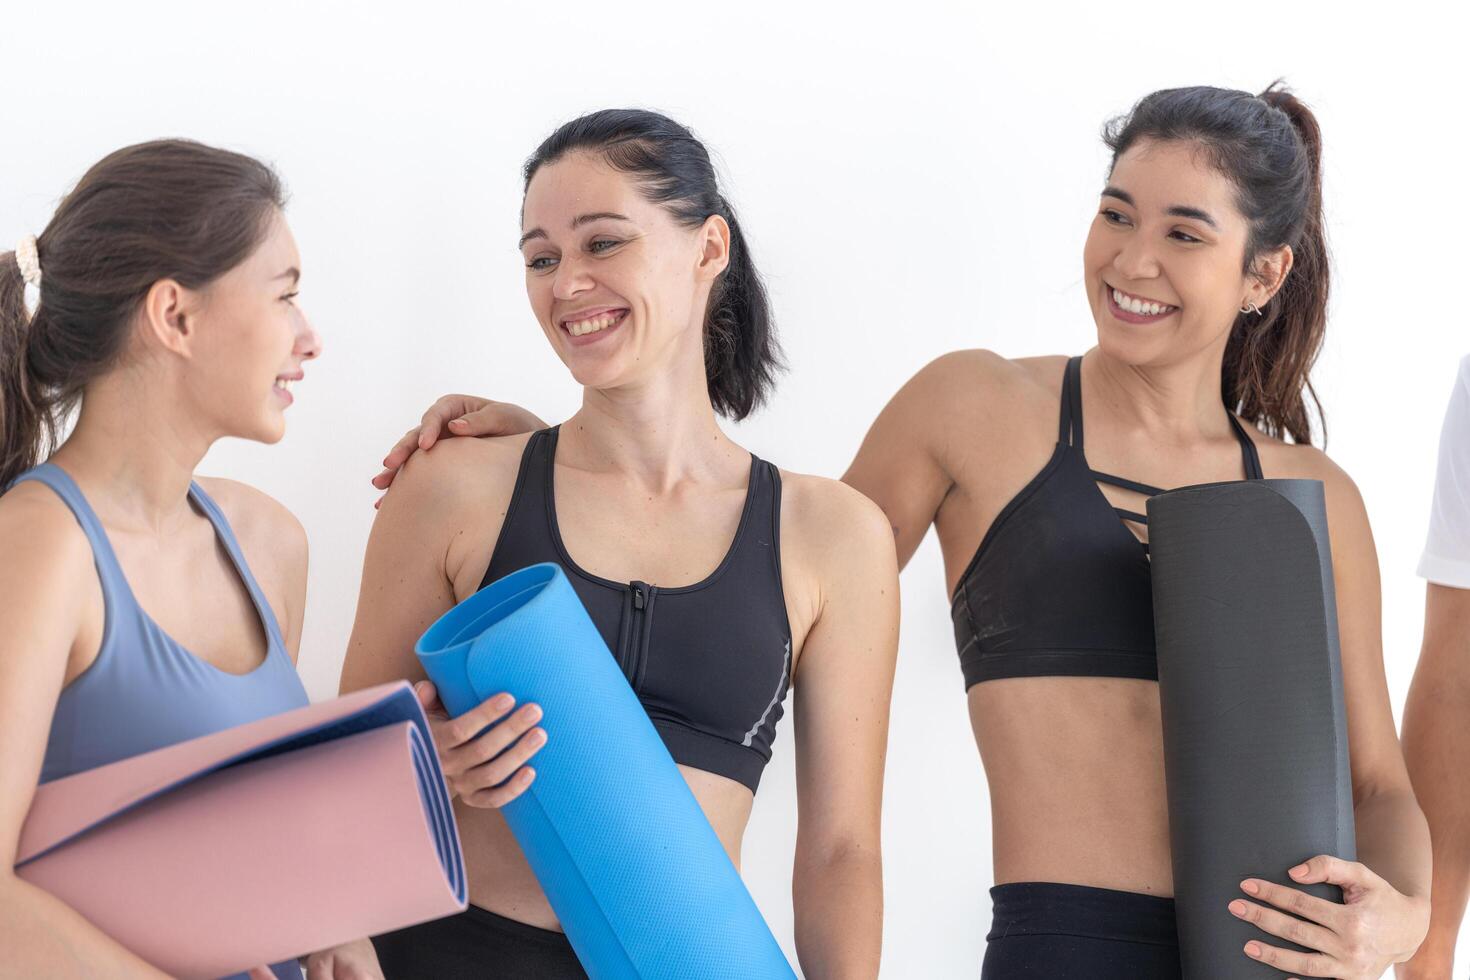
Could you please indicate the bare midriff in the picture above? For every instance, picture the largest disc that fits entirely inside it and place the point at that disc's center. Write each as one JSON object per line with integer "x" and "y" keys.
{"x": 501, "y": 880}
{"x": 1075, "y": 767}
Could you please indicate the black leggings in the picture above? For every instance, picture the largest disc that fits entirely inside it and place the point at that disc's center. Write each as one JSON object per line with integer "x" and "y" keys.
{"x": 1043, "y": 929}
{"x": 477, "y": 944}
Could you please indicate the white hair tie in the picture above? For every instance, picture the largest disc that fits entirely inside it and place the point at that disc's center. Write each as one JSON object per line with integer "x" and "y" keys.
{"x": 29, "y": 261}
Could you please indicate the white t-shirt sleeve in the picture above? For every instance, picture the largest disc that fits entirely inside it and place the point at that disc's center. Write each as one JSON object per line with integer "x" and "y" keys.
{"x": 1446, "y": 559}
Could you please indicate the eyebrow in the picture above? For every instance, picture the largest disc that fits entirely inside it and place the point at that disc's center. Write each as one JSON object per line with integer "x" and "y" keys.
{"x": 577, "y": 222}
{"x": 293, "y": 273}
{"x": 1177, "y": 210}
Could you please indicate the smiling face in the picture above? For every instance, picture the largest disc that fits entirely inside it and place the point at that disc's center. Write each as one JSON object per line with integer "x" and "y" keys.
{"x": 619, "y": 287}
{"x": 252, "y": 340}
{"x": 1164, "y": 259}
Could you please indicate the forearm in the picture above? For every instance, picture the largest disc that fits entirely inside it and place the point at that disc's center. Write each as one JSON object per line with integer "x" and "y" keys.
{"x": 1437, "y": 749}
{"x": 839, "y": 914}
{"x": 44, "y": 937}
{"x": 1393, "y": 841}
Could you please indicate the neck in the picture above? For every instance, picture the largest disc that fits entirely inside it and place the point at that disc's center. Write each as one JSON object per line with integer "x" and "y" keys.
{"x": 1179, "y": 401}
{"x": 132, "y": 441}
{"x": 661, "y": 431}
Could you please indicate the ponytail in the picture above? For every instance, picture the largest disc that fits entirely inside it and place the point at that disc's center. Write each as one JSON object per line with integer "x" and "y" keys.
{"x": 741, "y": 354}
{"x": 1270, "y": 147}
{"x": 24, "y": 423}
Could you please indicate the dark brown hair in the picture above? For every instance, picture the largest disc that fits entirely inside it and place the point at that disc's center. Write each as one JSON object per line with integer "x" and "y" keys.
{"x": 673, "y": 169}
{"x": 1270, "y": 147}
{"x": 169, "y": 209}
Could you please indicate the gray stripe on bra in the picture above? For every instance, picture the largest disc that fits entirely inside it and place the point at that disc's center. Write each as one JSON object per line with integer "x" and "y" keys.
{"x": 775, "y": 698}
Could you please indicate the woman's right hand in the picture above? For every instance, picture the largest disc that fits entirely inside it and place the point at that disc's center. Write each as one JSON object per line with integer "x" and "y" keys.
{"x": 456, "y": 415}
{"x": 483, "y": 752}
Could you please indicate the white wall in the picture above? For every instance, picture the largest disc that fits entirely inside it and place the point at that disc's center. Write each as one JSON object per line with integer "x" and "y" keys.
{"x": 914, "y": 181}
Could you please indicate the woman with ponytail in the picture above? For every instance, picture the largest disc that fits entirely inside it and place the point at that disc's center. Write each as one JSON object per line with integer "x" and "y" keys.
{"x": 717, "y": 579}
{"x": 1206, "y": 271}
{"x": 142, "y": 606}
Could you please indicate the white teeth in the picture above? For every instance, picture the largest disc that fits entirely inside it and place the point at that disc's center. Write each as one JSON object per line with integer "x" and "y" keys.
{"x": 1141, "y": 307}
{"x": 283, "y": 383}
{"x": 592, "y": 324}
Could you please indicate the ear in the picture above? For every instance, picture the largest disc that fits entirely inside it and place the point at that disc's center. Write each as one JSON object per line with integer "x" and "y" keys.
{"x": 1268, "y": 275}
{"x": 714, "y": 247}
{"x": 168, "y": 316}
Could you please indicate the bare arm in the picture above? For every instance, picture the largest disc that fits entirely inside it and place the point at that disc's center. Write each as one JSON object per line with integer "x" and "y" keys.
{"x": 416, "y": 568}
{"x": 46, "y": 556}
{"x": 899, "y": 465}
{"x": 843, "y": 683}
{"x": 1437, "y": 748}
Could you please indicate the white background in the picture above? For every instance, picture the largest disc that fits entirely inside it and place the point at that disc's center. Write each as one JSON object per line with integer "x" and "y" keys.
{"x": 913, "y": 180}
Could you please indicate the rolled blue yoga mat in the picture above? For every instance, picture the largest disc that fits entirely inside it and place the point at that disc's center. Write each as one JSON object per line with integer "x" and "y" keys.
{"x": 1250, "y": 685}
{"x": 637, "y": 876}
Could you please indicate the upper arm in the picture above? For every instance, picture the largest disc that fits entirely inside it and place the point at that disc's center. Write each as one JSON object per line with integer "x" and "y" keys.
{"x": 407, "y": 577}
{"x": 1377, "y": 760}
{"x": 275, "y": 547}
{"x": 46, "y": 555}
{"x": 844, "y": 675}
{"x": 1446, "y": 651}
{"x": 900, "y": 463}
{"x": 1446, "y": 558}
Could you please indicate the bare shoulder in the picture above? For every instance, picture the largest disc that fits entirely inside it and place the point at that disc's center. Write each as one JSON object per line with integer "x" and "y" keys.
{"x": 1285, "y": 460}
{"x": 37, "y": 526}
{"x": 461, "y": 472}
{"x": 964, "y": 377}
{"x": 258, "y": 519}
{"x": 825, "y": 517}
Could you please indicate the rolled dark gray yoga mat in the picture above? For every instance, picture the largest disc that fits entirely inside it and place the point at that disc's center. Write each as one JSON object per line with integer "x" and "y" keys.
{"x": 1250, "y": 684}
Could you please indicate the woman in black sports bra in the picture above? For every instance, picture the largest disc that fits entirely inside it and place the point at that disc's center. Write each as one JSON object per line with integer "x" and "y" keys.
{"x": 1206, "y": 271}
{"x": 717, "y": 580}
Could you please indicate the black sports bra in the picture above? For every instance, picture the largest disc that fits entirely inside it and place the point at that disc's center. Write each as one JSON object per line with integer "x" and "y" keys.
{"x": 710, "y": 662}
{"x": 1059, "y": 585}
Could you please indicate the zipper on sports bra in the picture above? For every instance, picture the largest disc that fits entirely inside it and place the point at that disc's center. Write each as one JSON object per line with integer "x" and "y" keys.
{"x": 642, "y": 613}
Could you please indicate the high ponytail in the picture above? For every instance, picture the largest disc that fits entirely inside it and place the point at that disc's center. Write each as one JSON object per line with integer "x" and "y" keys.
{"x": 741, "y": 355}
{"x": 1270, "y": 147}
{"x": 169, "y": 209}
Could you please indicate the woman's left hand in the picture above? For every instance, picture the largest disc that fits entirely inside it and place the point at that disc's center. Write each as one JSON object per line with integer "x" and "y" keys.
{"x": 356, "y": 960}
{"x": 1375, "y": 927}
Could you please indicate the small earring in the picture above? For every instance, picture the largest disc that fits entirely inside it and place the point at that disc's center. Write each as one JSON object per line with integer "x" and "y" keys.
{"x": 1251, "y": 309}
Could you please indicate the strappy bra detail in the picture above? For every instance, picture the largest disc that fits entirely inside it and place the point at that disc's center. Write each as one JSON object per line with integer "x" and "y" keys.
{"x": 1059, "y": 586}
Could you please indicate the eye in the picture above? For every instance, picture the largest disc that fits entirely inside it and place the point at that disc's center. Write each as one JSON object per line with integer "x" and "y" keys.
{"x": 601, "y": 245}
{"x": 1184, "y": 236}
{"x": 291, "y": 297}
{"x": 1113, "y": 217}
{"x": 541, "y": 263}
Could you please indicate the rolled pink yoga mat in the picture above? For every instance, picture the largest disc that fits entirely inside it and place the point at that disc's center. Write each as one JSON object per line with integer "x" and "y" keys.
{"x": 258, "y": 843}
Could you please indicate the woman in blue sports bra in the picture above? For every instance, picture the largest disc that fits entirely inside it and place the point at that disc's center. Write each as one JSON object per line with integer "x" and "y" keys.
{"x": 718, "y": 580}
{"x": 160, "y": 298}
{"x": 1206, "y": 271}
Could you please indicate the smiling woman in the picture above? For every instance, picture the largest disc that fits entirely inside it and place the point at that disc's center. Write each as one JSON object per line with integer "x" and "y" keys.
{"x": 719, "y": 581}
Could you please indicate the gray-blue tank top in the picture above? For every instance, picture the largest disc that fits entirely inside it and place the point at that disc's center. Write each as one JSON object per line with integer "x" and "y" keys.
{"x": 145, "y": 690}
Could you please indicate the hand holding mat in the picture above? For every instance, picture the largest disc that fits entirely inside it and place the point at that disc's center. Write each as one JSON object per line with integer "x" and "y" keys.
{"x": 259, "y": 843}
{"x": 1250, "y": 685}
{"x": 638, "y": 878}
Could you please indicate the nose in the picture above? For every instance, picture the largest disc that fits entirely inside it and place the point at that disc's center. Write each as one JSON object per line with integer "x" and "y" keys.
{"x": 308, "y": 345}
{"x": 1136, "y": 259}
{"x": 570, "y": 279}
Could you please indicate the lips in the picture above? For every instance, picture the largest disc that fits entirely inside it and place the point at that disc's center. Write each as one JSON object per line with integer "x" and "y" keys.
{"x": 1131, "y": 308}
{"x": 593, "y": 321}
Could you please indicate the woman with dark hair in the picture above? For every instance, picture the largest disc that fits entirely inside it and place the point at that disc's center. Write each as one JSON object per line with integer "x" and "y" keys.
{"x": 161, "y": 299}
{"x": 717, "y": 579}
{"x": 1206, "y": 271}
